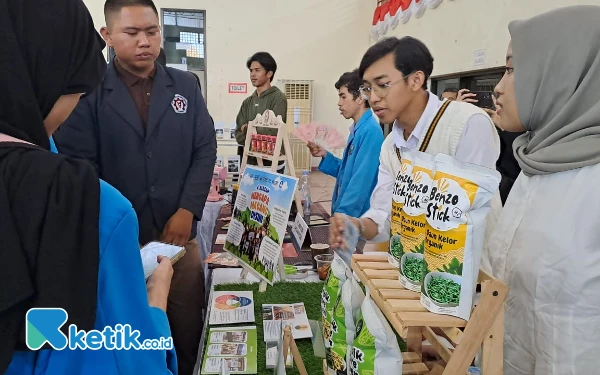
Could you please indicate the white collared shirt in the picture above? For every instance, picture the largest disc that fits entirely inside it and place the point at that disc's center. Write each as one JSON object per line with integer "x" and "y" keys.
{"x": 477, "y": 145}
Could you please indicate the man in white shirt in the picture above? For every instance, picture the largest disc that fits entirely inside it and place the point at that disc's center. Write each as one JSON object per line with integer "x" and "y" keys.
{"x": 395, "y": 73}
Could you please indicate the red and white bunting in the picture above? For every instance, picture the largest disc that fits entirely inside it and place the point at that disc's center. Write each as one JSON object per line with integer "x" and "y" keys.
{"x": 389, "y": 15}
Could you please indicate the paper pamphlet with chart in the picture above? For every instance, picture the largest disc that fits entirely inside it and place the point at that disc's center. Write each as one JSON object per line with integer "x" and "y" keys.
{"x": 232, "y": 308}
{"x": 234, "y": 345}
{"x": 276, "y": 317}
{"x": 259, "y": 220}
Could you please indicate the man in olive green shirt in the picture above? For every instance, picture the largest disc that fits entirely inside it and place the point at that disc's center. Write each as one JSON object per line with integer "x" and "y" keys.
{"x": 262, "y": 68}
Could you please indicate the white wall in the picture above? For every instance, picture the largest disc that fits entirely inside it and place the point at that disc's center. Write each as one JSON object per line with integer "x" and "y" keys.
{"x": 456, "y": 29}
{"x": 310, "y": 39}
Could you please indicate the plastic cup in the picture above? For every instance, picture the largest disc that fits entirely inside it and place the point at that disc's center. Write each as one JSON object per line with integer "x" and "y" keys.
{"x": 323, "y": 265}
{"x": 318, "y": 249}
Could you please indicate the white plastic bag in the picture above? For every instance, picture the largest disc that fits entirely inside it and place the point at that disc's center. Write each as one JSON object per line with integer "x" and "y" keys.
{"x": 375, "y": 350}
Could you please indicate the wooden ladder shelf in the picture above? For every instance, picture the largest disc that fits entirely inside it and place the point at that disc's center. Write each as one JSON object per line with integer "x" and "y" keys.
{"x": 412, "y": 321}
{"x": 269, "y": 120}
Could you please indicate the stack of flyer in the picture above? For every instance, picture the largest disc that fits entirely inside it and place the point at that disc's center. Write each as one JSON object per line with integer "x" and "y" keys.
{"x": 277, "y": 317}
{"x": 236, "y": 346}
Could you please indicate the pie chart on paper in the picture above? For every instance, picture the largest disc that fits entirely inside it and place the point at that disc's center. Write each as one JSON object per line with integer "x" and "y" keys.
{"x": 231, "y": 302}
{"x": 231, "y": 307}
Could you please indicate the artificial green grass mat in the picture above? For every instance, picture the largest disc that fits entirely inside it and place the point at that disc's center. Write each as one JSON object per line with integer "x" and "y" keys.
{"x": 284, "y": 293}
{"x": 287, "y": 293}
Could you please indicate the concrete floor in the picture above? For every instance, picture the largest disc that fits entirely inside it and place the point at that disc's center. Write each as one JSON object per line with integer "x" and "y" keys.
{"x": 321, "y": 189}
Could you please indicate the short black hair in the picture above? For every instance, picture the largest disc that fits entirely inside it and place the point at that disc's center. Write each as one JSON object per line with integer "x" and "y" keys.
{"x": 114, "y": 6}
{"x": 410, "y": 54}
{"x": 453, "y": 90}
{"x": 265, "y": 60}
{"x": 352, "y": 81}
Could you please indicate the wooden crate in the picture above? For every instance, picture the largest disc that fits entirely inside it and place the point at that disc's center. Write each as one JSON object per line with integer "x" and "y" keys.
{"x": 412, "y": 321}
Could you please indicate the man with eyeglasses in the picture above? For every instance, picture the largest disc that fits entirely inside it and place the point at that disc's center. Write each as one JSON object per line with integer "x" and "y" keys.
{"x": 395, "y": 74}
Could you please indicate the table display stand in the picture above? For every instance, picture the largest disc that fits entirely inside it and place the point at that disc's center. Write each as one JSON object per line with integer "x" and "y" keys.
{"x": 273, "y": 154}
{"x": 262, "y": 287}
{"x": 412, "y": 321}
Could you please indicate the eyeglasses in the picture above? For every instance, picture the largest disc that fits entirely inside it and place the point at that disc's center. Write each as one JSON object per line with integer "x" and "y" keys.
{"x": 380, "y": 90}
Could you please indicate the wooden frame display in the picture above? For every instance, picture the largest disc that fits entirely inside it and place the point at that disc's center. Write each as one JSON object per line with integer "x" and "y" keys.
{"x": 269, "y": 120}
{"x": 413, "y": 322}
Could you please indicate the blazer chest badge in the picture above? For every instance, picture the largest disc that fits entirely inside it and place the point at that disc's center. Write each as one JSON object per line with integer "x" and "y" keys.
{"x": 179, "y": 104}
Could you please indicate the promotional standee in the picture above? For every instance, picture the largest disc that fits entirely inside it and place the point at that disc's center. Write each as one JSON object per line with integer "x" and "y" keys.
{"x": 259, "y": 222}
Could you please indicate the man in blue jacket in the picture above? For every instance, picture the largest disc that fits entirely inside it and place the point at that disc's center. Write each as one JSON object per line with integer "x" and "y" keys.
{"x": 147, "y": 130}
{"x": 356, "y": 172}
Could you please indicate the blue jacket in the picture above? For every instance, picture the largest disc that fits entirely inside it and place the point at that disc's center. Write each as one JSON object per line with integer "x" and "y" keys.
{"x": 122, "y": 299}
{"x": 356, "y": 172}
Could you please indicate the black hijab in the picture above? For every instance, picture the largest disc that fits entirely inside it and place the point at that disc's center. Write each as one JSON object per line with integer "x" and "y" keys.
{"x": 49, "y": 204}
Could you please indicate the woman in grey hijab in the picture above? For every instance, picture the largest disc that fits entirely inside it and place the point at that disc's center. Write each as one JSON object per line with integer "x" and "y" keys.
{"x": 546, "y": 245}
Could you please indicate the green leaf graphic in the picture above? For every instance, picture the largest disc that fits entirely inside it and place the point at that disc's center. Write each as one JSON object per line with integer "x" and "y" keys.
{"x": 455, "y": 267}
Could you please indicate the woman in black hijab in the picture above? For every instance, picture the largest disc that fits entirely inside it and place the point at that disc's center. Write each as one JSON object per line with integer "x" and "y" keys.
{"x": 69, "y": 241}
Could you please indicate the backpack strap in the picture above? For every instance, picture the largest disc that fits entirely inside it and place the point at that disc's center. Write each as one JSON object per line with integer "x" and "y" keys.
{"x": 430, "y": 131}
{"x": 433, "y": 125}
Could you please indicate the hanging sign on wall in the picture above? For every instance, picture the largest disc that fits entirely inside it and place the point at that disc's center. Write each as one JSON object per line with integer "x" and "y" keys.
{"x": 238, "y": 88}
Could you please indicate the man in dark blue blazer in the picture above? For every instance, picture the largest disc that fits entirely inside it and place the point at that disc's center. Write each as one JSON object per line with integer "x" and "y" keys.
{"x": 149, "y": 134}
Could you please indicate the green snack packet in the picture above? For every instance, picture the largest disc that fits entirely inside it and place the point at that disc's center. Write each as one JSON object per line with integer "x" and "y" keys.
{"x": 343, "y": 325}
{"x": 330, "y": 294}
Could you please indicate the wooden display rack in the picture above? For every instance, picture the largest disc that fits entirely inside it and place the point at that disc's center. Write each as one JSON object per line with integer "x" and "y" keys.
{"x": 412, "y": 321}
{"x": 269, "y": 120}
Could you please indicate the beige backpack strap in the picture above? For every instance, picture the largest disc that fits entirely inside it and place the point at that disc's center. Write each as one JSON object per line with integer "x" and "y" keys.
{"x": 430, "y": 131}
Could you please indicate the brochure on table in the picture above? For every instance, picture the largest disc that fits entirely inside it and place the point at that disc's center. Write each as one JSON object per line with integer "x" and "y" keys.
{"x": 276, "y": 317}
{"x": 219, "y": 130}
{"x": 234, "y": 345}
{"x": 298, "y": 232}
{"x": 233, "y": 164}
{"x": 231, "y": 308}
{"x": 259, "y": 221}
